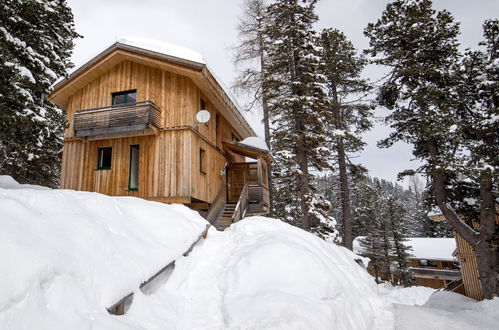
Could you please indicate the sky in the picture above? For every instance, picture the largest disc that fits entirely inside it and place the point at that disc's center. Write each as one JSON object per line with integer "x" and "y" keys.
{"x": 209, "y": 27}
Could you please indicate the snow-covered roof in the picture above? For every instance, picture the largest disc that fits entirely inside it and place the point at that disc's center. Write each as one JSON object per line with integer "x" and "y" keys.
{"x": 423, "y": 247}
{"x": 163, "y": 47}
{"x": 432, "y": 248}
{"x": 255, "y": 142}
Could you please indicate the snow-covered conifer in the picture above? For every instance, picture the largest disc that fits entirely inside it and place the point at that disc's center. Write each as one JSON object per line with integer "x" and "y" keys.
{"x": 342, "y": 68}
{"x": 297, "y": 105}
{"x": 453, "y": 133}
{"x": 36, "y": 40}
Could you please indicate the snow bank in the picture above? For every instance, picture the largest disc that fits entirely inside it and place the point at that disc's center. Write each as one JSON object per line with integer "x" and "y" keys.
{"x": 262, "y": 273}
{"x": 448, "y": 310}
{"x": 164, "y": 48}
{"x": 414, "y": 295}
{"x": 256, "y": 142}
{"x": 8, "y": 182}
{"x": 65, "y": 256}
{"x": 289, "y": 278}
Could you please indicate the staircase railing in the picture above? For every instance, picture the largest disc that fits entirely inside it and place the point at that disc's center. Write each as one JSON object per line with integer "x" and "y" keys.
{"x": 217, "y": 206}
{"x": 242, "y": 205}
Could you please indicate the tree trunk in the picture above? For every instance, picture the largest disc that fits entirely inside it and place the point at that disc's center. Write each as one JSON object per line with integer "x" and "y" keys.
{"x": 266, "y": 123}
{"x": 487, "y": 254}
{"x": 345, "y": 197}
{"x": 303, "y": 184}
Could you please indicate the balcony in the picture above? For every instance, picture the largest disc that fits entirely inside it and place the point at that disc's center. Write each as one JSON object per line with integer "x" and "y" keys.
{"x": 441, "y": 274}
{"x": 139, "y": 118}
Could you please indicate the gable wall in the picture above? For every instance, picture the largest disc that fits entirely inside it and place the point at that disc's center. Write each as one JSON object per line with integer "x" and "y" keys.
{"x": 169, "y": 161}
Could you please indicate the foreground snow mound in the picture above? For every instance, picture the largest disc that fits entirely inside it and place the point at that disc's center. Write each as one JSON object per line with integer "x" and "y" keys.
{"x": 414, "y": 295}
{"x": 448, "y": 310}
{"x": 289, "y": 278}
{"x": 262, "y": 273}
{"x": 66, "y": 256}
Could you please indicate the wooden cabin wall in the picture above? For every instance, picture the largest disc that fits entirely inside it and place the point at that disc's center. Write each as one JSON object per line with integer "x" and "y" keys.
{"x": 205, "y": 185}
{"x": 430, "y": 282}
{"x": 469, "y": 268}
{"x": 169, "y": 161}
{"x": 164, "y": 165}
{"x": 175, "y": 95}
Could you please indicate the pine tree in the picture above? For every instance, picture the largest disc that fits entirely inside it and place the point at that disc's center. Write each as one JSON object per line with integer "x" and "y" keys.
{"x": 297, "y": 107}
{"x": 250, "y": 57}
{"x": 342, "y": 68}
{"x": 374, "y": 243}
{"x": 395, "y": 216}
{"x": 36, "y": 40}
{"x": 450, "y": 133}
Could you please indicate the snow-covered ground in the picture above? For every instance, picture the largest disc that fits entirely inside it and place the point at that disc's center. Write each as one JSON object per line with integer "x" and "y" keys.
{"x": 66, "y": 256}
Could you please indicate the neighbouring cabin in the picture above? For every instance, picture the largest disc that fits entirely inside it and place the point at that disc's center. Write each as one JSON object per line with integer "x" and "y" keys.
{"x": 132, "y": 131}
{"x": 432, "y": 263}
{"x": 466, "y": 256}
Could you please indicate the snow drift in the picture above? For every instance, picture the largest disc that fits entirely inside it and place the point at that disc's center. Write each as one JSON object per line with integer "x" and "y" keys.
{"x": 66, "y": 256}
{"x": 262, "y": 273}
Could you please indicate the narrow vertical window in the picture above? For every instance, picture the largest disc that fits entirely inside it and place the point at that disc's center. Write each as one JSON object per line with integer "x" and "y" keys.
{"x": 133, "y": 180}
{"x": 202, "y": 160}
{"x": 202, "y": 104}
{"x": 104, "y": 158}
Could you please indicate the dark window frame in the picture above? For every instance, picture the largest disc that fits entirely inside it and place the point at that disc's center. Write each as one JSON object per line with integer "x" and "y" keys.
{"x": 125, "y": 93}
{"x": 130, "y": 188}
{"x": 100, "y": 158}
{"x": 202, "y": 160}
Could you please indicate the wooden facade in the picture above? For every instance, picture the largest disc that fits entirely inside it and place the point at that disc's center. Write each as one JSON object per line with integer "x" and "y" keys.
{"x": 467, "y": 259}
{"x": 179, "y": 161}
{"x": 434, "y": 274}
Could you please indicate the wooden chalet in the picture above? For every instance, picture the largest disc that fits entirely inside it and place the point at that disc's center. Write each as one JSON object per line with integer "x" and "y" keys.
{"x": 432, "y": 263}
{"x": 132, "y": 131}
{"x": 466, "y": 256}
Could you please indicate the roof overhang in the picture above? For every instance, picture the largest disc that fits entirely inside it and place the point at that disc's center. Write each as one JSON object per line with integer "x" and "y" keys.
{"x": 248, "y": 151}
{"x": 118, "y": 52}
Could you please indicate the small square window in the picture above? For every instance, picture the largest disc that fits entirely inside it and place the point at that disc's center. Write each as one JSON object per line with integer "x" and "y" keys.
{"x": 104, "y": 159}
{"x": 124, "y": 97}
{"x": 202, "y": 160}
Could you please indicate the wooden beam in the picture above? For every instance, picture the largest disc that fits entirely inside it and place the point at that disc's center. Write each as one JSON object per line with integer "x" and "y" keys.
{"x": 169, "y": 199}
{"x": 198, "y": 206}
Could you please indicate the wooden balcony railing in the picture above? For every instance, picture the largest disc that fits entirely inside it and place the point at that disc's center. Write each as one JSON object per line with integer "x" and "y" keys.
{"x": 117, "y": 118}
{"x": 442, "y": 274}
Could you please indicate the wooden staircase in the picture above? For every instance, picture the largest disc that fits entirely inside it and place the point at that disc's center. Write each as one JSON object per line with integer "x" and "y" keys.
{"x": 226, "y": 218}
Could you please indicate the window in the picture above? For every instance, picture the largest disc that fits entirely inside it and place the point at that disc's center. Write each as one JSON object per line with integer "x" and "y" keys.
{"x": 133, "y": 179}
{"x": 425, "y": 262}
{"x": 124, "y": 97}
{"x": 202, "y": 160}
{"x": 104, "y": 159}
{"x": 202, "y": 104}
